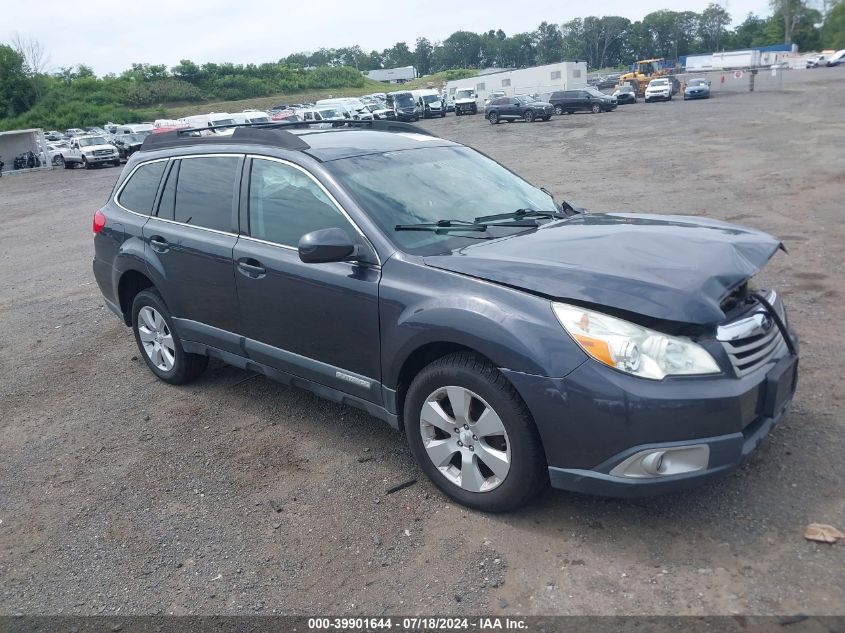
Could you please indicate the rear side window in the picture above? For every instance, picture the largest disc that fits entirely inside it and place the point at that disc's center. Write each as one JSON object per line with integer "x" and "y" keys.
{"x": 285, "y": 204}
{"x": 205, "y": 191}
{"x": 139, "y": 192}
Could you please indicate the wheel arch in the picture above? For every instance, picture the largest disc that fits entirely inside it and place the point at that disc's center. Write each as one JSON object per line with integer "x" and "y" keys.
{"x": 131, "y": 282}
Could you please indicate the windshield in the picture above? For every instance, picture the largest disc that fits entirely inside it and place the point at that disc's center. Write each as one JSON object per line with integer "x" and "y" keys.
{"x": 131, "y": 138}
{"x": 595, "y": 93}
{"x": 329, "y": 114}
{"x": 697, "y": 82}
{"x": 404, "y": 101}
{"x": 526, "y": 98}
{"x": 431, "y": 98}
{"x": 259, "y": 119}
{"x": 464, "y": 94}
{"x": 431, "y": 184}
{"x": 222, "y": 122}
{"x": 659, "y": 82}
{"x": 92, "y": 140}
{"x": 626, "y": 89}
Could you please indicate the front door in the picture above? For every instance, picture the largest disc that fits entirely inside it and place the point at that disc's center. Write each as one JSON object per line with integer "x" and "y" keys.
{"x": 316, "y": 321}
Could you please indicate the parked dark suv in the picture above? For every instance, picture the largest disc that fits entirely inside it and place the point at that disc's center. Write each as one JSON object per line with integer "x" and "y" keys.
{"x": 587, "y": 100}
{"x": 520, "y": 107}
{"x": 516, "y": 341}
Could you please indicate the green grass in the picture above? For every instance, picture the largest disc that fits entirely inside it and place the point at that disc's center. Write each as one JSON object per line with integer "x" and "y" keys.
{"x": 436, "y": 80}
{"x": 264, "y": 103}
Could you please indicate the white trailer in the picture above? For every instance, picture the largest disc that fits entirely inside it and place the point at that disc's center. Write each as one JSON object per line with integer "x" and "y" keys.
{"x": 538, "y": 80}
{"x": 736, "y": 59}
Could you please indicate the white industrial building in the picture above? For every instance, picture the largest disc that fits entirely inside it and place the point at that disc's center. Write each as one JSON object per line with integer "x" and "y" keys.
{"x": 537, "y": 80}
{"x": 393, "y": 75}
{"x": 17, "y": 142}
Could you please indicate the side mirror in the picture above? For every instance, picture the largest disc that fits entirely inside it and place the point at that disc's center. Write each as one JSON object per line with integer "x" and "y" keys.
{"x": 325, "y": 245}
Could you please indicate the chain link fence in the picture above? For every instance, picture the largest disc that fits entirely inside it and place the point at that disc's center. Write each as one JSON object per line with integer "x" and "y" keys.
{"x": 754, "y": 80}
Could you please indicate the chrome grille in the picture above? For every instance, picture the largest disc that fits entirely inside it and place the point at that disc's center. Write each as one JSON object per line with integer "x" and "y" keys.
{"x": 754, "y": 340}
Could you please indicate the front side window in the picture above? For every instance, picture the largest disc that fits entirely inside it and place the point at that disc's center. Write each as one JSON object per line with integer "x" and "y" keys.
{"x": 205, "y": 191}
{"x": 285, "y": 204}
{"x": 139, "y": 192}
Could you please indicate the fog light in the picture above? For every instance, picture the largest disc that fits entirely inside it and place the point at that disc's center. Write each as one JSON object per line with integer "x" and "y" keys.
{"x": 664, "y": 461}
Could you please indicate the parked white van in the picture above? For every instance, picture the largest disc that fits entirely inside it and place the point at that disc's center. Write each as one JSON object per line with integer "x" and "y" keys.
{"x": 430, "y": 103}
{"x": 349, "y": 106}
{"x": 251, "y": 116}
{"x": 135, "y": 128}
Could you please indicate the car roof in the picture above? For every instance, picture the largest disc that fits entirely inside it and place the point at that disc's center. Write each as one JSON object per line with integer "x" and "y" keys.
{"x": 321, "y": 144}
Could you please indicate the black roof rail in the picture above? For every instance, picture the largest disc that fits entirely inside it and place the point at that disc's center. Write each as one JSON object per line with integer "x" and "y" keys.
{"x": 274, "y": 132}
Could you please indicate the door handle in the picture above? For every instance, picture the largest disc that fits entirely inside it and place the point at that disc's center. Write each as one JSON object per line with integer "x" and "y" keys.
{"x": 251, "y": 268}
{"x": 159, "y": 244}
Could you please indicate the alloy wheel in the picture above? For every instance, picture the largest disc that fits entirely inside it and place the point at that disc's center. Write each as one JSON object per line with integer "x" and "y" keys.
{"x": 156, "y": 338}
{"x": 465, "y": 439}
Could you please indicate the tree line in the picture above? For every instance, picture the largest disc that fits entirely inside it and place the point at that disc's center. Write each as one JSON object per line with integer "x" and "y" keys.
{"x": 603, "y": 42}
{"x": 72, "y": 96}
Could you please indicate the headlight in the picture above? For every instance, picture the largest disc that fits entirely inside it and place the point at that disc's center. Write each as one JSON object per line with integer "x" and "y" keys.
{"x": 631, "y": 348}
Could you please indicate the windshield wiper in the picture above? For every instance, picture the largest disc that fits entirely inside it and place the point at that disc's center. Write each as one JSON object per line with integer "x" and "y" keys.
{"x": 442, "y": 226}
{"x": 520, "y": 213}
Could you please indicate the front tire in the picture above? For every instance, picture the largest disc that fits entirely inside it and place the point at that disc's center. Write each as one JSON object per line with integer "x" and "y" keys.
{"x": 528, "y": 115}
{"x": 472, "y": 434}
{"x": 158, "y": 342}
{"x": 558, "y": 110}
{"x": 596, "y": 108}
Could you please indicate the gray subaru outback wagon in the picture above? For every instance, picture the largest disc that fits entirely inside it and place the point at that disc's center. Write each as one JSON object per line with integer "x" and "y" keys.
{"x": 518, "y": 341}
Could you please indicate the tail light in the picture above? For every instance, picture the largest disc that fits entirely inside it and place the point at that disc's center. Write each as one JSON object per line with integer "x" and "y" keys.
{"x": 99, "y": 221}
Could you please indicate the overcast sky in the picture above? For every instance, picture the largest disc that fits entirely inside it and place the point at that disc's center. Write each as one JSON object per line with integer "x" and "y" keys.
{"x": 108, "y": 37}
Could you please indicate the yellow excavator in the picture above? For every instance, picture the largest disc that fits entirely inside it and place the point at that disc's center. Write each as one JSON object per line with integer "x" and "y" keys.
{"x": 645, "y": 71}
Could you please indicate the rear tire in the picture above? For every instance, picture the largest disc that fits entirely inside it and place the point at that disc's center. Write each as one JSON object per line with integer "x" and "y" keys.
{"x": 66, "y": 164}
{"x": 489, "y": 414}
{"x": 158, "y": 342}
{"x": 493, "y": 117}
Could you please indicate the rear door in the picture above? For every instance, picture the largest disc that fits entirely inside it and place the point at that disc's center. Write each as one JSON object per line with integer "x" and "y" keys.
{"x": 316, "y": 321}
{"x": 188, "y": 246}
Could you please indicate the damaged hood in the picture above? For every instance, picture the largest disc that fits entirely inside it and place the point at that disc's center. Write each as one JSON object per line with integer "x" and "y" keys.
{"x": 676, "y": 268}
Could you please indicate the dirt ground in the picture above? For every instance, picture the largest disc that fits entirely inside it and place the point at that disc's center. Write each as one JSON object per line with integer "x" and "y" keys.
{"x": 120, "y": 494}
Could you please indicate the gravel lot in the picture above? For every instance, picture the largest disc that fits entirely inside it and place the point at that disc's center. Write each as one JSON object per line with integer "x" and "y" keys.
{"x": 120, "y": 494}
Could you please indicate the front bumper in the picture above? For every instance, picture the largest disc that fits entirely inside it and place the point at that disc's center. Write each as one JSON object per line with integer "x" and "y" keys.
{"x": 696, "y": 95}
{"x": 105, "y": 158}
{"x": 658, "y": 95}
{"x": 596, "y": 418}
